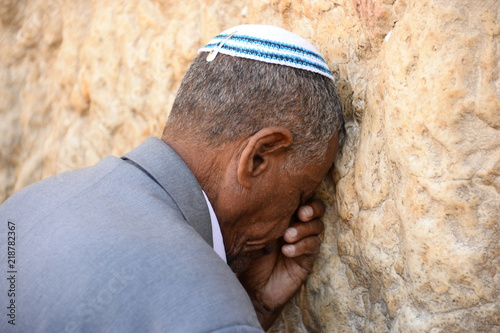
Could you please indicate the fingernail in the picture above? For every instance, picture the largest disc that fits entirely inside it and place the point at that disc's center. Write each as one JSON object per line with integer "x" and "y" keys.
{"x": 289, "y": 249}
{"x": 292, "y": 232}
{"x": 308, "y": 211}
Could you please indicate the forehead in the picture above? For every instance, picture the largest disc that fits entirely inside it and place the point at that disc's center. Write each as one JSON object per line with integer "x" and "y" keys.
{"x": 321, "y": 165}
{"x": 310, "y": 175}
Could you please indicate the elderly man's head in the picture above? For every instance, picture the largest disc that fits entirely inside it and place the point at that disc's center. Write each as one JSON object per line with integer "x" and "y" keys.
{"x": 231, "y": 97}
{"x": 259, "y": 137}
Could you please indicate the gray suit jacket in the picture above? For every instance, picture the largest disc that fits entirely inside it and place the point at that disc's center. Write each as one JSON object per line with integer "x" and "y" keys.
{"x": 122, "y": 246}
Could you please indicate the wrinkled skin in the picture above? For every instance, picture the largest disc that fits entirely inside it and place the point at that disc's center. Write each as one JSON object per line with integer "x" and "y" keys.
{"x": 269, "y": 222}
{"x": 273, "y": 279}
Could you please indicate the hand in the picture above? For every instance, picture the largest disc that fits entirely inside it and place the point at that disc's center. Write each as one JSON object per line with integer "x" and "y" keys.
{"x": 273, "y": 279}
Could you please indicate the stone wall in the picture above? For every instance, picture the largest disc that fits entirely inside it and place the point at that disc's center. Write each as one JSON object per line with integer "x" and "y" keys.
{"x": 412, "y": 230}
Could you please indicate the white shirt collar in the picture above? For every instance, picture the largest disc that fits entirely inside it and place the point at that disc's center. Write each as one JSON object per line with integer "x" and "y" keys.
{"x": 216, "y": 233}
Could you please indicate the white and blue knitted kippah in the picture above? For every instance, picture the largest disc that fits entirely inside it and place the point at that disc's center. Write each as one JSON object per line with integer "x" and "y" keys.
{"x": 269, "y": 44}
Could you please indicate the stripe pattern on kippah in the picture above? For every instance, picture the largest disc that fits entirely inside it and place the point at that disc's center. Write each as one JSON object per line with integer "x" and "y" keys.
{"x": 269, "y": 44}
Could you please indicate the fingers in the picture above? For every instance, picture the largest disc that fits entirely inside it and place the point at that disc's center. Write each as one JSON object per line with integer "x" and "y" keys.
{"x": 302, "y": 237}
{"x": 312, "y": 210}
{"x": 309, "y": 246}
{"x": 302, "y": 230}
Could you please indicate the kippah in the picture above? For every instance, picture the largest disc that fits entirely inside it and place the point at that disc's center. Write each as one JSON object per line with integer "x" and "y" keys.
{"x": 269, "y": 44}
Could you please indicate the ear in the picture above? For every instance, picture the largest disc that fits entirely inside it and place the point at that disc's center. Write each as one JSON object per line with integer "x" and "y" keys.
{"x": 261, "y": 150}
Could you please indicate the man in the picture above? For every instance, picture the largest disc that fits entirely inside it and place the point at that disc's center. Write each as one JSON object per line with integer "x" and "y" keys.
{"x": 140, "y": 243}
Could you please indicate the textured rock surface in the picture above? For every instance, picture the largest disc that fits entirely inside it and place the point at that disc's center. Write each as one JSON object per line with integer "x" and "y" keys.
{"x": 412, "y": 230}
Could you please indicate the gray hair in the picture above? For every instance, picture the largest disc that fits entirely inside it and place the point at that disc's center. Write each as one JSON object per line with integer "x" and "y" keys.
{"x": 230, "y": 98}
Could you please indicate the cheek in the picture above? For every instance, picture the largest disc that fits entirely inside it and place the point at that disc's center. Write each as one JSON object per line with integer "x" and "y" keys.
{"x": 286, "y": 217}
{"x": 272, "y": 227}
{"x": 274, "y": 217}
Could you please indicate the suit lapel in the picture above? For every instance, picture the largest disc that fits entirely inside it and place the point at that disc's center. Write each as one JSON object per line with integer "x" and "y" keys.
{"x": 163, "y": 165}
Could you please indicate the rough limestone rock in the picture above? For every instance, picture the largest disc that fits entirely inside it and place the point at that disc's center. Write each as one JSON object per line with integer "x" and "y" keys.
{"x": 412, "y": 230}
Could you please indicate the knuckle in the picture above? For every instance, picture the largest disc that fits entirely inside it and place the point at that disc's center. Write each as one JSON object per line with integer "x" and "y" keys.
{"x": 317, "y": 227}
{"x": 315, "y": 244}
{"x": 319, "y": 208}
{"x": 321, "y": 225}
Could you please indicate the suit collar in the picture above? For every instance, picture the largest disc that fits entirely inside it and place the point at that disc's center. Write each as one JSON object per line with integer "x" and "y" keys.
{"x": 167, "y": 168}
